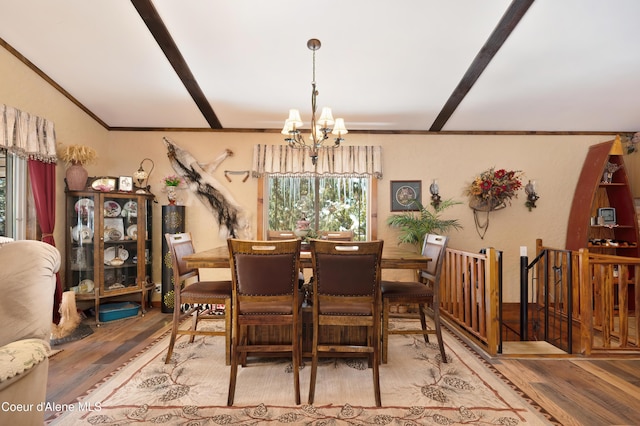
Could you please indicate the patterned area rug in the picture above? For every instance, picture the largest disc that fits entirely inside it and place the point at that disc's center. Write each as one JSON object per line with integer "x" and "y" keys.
{"x": 417, "y": 389}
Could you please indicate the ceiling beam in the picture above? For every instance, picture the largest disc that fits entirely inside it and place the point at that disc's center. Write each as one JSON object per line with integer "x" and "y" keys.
{"x": 507, "y": 23}
{"x": 152, "y": 19}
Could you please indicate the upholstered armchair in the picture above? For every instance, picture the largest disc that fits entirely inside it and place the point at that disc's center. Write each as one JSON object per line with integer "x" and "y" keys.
{"x": 27, "y": 285}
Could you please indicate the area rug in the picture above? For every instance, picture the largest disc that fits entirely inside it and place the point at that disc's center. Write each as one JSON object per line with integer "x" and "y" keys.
{"x": 417, "y": 388}
{"x": 82, "y": 331}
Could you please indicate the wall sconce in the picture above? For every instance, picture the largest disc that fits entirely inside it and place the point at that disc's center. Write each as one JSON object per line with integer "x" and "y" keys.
{"x": 532, "y": 197}
{"x": 142, "y": 178}
{"x": 435, "y": 194}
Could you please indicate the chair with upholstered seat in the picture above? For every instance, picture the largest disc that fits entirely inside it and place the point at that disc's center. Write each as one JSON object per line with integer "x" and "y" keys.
{"x": 346, "y": 293}
{"x": 265, "y": 293}
{"x": 425, "y": 293}
{"x": 200, "y": 296}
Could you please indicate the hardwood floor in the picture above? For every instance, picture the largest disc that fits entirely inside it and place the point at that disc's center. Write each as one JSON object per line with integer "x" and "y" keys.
{"x": 576, "y": 391}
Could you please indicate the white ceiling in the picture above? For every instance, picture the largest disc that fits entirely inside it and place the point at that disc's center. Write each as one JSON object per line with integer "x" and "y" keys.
{"x": 569, "y": 65}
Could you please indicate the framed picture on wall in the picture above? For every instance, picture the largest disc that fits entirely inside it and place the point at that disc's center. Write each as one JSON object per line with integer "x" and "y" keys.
{"x": 404, "y": 193}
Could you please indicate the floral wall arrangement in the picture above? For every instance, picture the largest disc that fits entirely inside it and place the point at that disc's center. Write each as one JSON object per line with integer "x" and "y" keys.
{"x": 492, "y": 190}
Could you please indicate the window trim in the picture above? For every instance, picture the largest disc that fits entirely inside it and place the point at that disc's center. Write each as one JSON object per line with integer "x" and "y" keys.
{"x": 261, "y": 231}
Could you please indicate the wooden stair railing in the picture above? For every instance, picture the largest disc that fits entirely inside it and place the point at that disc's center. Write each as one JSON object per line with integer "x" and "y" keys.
{"x": 470, "y": 295}
{"x": 607, "y": 285}
{"x": 605, "y": 291}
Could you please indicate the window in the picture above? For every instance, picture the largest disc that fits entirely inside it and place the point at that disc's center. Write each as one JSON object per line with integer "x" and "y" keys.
{"x": 329, "y": 203}
{"x": 13, "y": 199}
{"x": 338, "y": 192}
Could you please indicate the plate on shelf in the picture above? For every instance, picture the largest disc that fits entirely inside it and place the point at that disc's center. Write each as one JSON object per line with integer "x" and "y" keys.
{"x": 113, "y": 229}
{"x": 104, "y": 184}
{"x": 82, "y": 233}
{"x": 132, "y": 232}
{"x": 83, "y": 205}
{"x": 130, "y": 209}
{"x": 112, "y": 209}
{"x": 86, "y": 286}
{"x": 110, "y": 254}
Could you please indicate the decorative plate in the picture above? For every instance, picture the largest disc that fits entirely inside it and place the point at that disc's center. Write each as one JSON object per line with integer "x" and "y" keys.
{"x": 132, "y": 232}
{"x": 83, "y": 205}
{"x": 130, "y": 209}
{"x": 86, "y": 286}
{"x": 112, "y": 208}
{"x": 82, "y": 233}
{"x": 104, "y": 184}
{"x": 110, "y": 254}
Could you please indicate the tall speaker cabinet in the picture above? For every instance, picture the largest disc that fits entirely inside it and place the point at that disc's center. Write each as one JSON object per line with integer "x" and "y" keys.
{"x": 109, "y": 249}
{"x": 172, "y": 223}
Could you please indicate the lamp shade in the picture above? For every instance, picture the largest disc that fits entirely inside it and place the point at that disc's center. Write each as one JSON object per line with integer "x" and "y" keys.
{"x": 294, "y": 118}
{"x": 326, "y": 118}
{"x": 339, "y": 129}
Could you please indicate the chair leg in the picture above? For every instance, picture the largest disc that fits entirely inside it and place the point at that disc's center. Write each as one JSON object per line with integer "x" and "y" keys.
{"x": 314, "y": 368}
{"x": 228, "y": 328}
{"x": 194, "y": 323}
{"x": 423, "y": 321}
{"x": 295, "y": 359}
{"x": 233, "y": 374}
{"x": 385, "y": 329}
{"x": 376, "y": 377}
{"x": 436, "y": 321}
{"x": 174, "y": 333}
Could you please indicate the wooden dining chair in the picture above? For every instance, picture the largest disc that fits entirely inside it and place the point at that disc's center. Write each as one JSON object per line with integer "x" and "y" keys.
{"x": 346, "y": 292}
{"x": 265, "y": 293}
{"x": 201, "y": 296}
{"x": 425, "y": 293}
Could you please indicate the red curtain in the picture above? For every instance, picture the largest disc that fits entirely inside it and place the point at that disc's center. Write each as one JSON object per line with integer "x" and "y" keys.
{"x": 43, "y": 185}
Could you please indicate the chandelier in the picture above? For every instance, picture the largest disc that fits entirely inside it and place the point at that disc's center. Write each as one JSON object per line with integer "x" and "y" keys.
{"x": 321, "y": 127}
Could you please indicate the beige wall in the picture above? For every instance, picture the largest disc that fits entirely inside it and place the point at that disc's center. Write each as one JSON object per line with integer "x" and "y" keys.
{"x": 553, "y": 161}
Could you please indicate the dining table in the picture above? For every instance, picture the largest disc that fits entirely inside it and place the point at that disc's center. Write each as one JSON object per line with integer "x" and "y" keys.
{"x": 393, "y": 257}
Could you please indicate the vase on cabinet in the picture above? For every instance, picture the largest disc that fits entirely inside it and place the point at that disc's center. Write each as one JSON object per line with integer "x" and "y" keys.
{"x": 76, "y": 177}
{"x": 172, "y": 195}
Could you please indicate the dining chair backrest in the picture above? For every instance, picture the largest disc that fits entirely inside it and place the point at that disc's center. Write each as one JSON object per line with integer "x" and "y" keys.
{"x": 263, "y": 269}
{"x": 434, "y": 248}
{"x": 345, "y": 269}
{"x": 280, "y": 235}
{"x": 336, "y": 235}
{"x": 181, "y": 245}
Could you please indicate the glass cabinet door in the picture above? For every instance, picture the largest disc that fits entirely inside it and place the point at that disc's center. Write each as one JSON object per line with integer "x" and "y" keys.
{"x": 81, "y": 218}
{"x": 121, "y": 231}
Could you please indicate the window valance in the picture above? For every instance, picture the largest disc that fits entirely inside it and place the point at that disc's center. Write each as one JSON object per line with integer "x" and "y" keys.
{"x": 342, "y": 160}
{"x": 27, "y": 135}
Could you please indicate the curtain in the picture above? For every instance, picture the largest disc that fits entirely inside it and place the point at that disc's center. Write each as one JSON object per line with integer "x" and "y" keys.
{"x": 43, "y": 185}
{"x": 27, "y": 135}
{"x": 34, "y": 138}
{"x": 336, "y": 161}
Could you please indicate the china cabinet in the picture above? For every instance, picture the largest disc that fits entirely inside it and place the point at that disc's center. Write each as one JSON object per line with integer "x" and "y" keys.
{"x": 108, "y": 250}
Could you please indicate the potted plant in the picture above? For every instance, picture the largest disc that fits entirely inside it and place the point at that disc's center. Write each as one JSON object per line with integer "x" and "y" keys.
{"x": 76, "y": 156}
{"x": 414, "y": 225}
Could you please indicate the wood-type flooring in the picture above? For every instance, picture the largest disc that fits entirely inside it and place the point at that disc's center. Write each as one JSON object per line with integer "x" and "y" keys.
{"x": 577, "y": 391}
